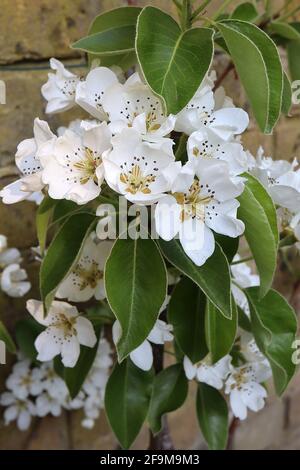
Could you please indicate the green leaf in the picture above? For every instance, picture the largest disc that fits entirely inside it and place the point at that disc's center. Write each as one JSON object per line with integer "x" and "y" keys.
{"x": 63, "y": 253}
{"x": 258, "y": 213}
{"x": 170, "y": 388}
{"x": 111, "y": 33}
{"x": 244, "y": 321}
{"x": 174, "y": 63}
{"x": 213, "y": 277}
{"x": 74, "y": 377}
{"x": 43, "y": 217}
{"x": 212, "y": 413}
{"x": 274, "y": 326}
{"x": 293, "y": 50}
{"x": 136, "y": 287}
{"x": 119, "y": 17}
{"x": 246, "y": 12}
{"x": 229, "y": 245}
{"x": 127, "y": 398}
{"x": 187, "y": 315}
{"x": 100, "y": 314}
{"x": 263, "y": 81}
{"x": 285, "y": 30}
{"x": 287, "y": 96}
{"x": 26, "y": 333}
{"x": 220, "y": 331}
{"x": 5, "y": 336}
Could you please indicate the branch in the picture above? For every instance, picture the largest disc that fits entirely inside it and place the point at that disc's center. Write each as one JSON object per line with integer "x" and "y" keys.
{"x": 222, "y": 77}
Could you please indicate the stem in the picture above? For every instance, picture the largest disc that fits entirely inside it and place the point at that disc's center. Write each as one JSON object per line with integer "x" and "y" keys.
{"x": 243, "y": 260}
{"x": 222, "y": 77}
{"x": 186, "y": 15}
{"x": 200, "y": 9}
{"x": 162, "y": 440}
{"x": 231, "y": 433}
{"x": 288, "y": 14}
{"x": 221, "y": 9}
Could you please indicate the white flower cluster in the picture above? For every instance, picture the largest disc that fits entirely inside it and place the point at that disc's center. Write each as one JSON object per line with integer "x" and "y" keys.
{"x": 13, "y": 279}
{"x": 36, "y": 390}
{"x": 128, "y": 145}
{"x": 242, "y": 382}
{"x": 282, "y": 180}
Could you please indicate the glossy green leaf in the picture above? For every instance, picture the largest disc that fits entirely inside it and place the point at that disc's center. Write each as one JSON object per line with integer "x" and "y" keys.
{"x": 74, "y": 377}
{"x": 293, "y": 50}
{"x": 43, "y": 217}
{"x": 187, "y": 315}
{"x": 274, "y": 325}
{"x": 263, "y": 81}
{"x": 63, "y": 253}
{"x": 7, "y": 339}
{"x": 110, "y": 20}
{"x": 285, "y": 30}
{"x": 287, "y": 96}
{"x": 212, "y": 413}
{"x": 245, "y": 12}
{"x": 220, "y": 331}
{"x": 127, "y": 399}
{"x": 258, "y": 213}
{"x": 26, "y": 332}
{"x": 136, "y": 286}
{"x": 169, "y": 392}
{"x": 213, "y": 277}
{"x": 173, "y": 62}
{"x": 229, "y": 245}
{"x": 244, "y": 321}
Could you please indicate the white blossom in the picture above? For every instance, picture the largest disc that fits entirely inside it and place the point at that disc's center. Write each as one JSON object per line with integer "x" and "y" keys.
{"x": 60, "y": 89}
{"x": 86, "y": 278}
{"x": 206, "y": 372}
{"x": 46, "y": 404}
{"x": 13, "y": 281}
{"x": 202, "y": 199}
{"x": 75, "y": 171}
{"x": 17, "y": 410}
{"x": 242, "y": 277}
{"x": 142, "y": 356}
{"x": 65, "y": 331}
{"x": 30, "y": 184}
{"x": 133, "y": 105}
{"x": 244, "y": 388}
{"x": 134, "y": 168}
{"x": 24, "y": 381}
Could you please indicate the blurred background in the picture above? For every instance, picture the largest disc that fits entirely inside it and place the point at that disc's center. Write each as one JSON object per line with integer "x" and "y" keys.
{"x": 31, "y": 32}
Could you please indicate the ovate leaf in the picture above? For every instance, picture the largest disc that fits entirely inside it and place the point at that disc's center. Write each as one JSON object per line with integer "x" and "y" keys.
{"x": 63, "y": 253}
{"x": 246, "y": 12}
{"x": 187, "y": 315}
{"x": 258, "y": 213}
{"x": 285, "y": 30}
{"x": 136, "y": 285}
{"x": 170, "y": 389}
{"x": 127, "y": 398}
{"x": 212, "y": 413}
{"x": 173, "y": 62}
{"x": 274, "y": 326}
{"x": 7, "y": 339}
{"x": 287, "y": 96}
{"x": 293, "y": 50}
{"x": 263, "y": 79}
{"x": 43, "y": 217}
{"x": 26, "y": 333}
{"x": 220, "y": 331}
{"x": 213, "y": 277}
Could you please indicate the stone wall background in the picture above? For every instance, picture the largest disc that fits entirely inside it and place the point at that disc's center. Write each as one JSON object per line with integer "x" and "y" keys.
{"x": 31, "y": 32}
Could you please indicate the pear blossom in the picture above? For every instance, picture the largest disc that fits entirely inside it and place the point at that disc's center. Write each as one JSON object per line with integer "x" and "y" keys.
{"x": 133, "y": 105}
{"x": 242, "y": 277}
{"x": 203, "y": 145}
{"x": 13, "y": 281}
{"x": 90, "y": 92}
{"x": 203, "y": 112}
{"x": 142, "y": 356}
{"x": 206, "y": 372}
{"x": 17, "y": 410}
{"x": 9, "y": 256}
{"x": 60, "y": 89}
{"x": 65, "y": 331}
{"x": 202, "y": 199}
{"x": 134, "y": 168}
{"x": 46, "y": 404}
{"x": 30, "y": 184}
{"x": 244, "y": 388}
{"x": 24, "y": 381}
{"x": 86, "y": 278}
{"x": 52, "y": 383}
{"x": 249, "y": 349}
{"x": 75, "y": 171}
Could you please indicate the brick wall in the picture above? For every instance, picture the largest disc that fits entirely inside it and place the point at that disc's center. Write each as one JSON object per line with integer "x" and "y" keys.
{"x": 32, "y": 31}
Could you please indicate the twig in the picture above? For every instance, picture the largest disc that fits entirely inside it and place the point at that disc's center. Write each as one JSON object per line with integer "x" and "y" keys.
{"x": 222, "y": 77}
{"x": 231, "y": 433}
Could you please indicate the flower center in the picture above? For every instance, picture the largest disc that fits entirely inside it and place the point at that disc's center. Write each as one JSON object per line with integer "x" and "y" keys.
{"x": 88, "y": 277}
{"x": 240, "y": 379}
{"x": 88, "y": 166}
{"x": 151, "y": 122}
{"x": 66, "y": 324}
{"x": 136, "y": 181}
{"x": 193, "y": 202}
